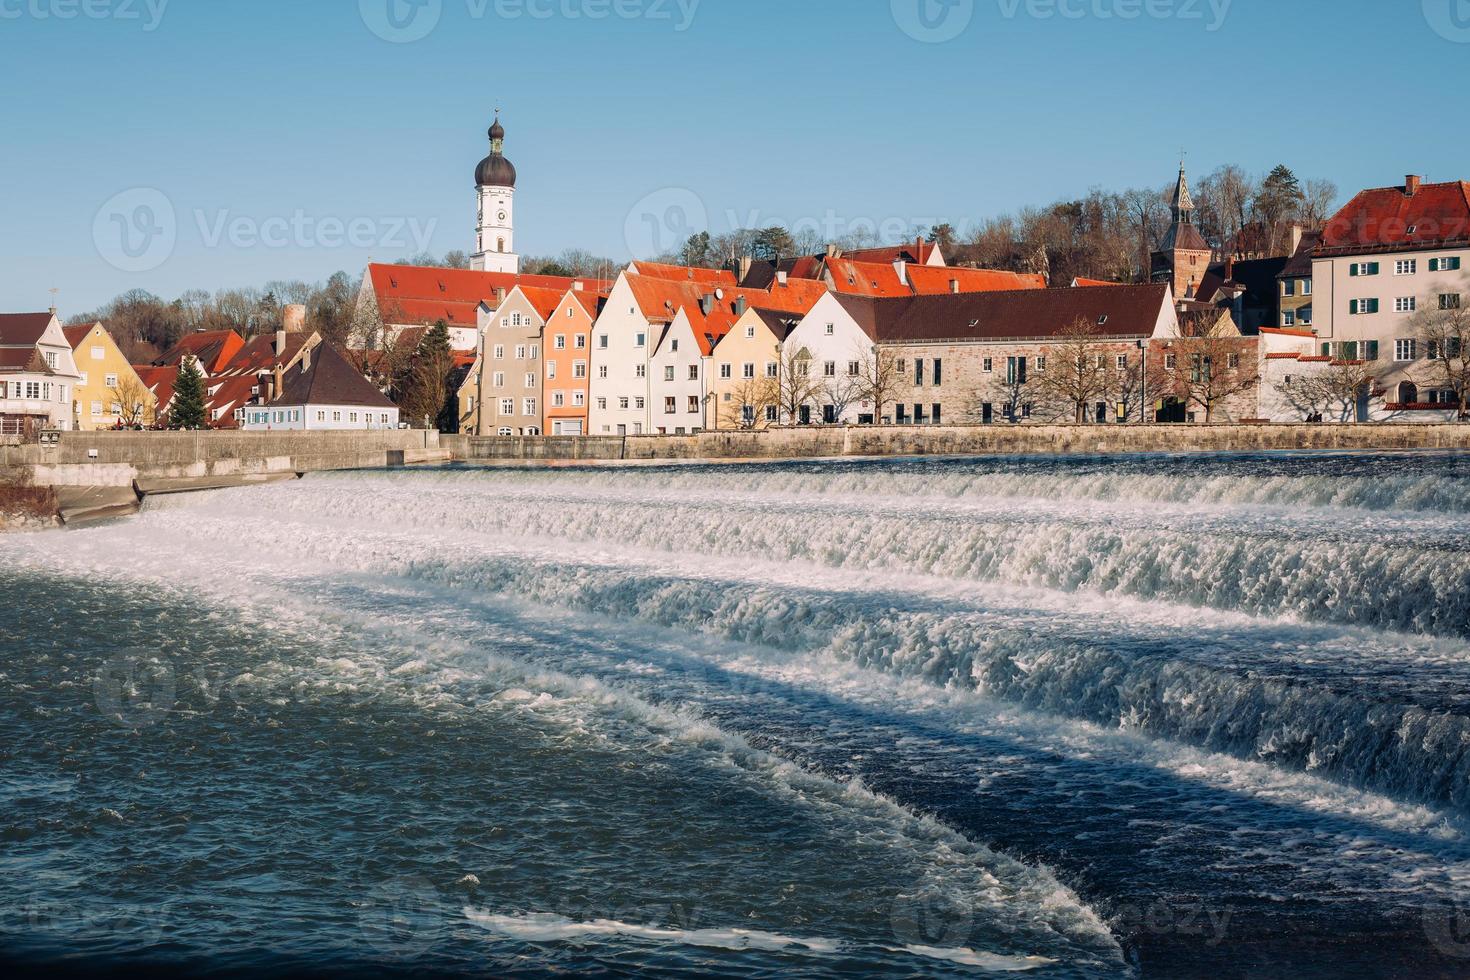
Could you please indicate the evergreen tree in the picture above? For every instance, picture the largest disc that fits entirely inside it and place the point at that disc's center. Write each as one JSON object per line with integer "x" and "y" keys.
{"x": 188, "y": 410}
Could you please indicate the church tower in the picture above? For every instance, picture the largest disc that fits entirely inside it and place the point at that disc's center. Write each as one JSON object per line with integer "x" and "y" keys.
{"x": 495, "y": 188}
{"x": 1184, "y": 256}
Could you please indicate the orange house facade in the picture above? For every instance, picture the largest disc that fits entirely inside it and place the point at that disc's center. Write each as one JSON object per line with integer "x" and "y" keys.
{"x": 568, "y": 352}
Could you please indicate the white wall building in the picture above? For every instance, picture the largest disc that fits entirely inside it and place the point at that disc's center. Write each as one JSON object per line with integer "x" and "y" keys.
{"x": 322, "y": 392}
{"x": 38, "y": 373}
{"x": 830, "y": 340}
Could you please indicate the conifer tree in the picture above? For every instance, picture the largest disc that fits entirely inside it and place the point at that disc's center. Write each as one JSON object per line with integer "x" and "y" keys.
{"x": 188, "y": 409}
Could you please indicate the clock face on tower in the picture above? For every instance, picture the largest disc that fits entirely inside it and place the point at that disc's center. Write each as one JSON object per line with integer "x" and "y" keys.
{"x": 502, "y": 217}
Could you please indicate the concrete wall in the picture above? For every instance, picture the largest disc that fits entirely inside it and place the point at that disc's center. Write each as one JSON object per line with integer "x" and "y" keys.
{"x": 968, "y": 440}
{"x": 123, "y": 457}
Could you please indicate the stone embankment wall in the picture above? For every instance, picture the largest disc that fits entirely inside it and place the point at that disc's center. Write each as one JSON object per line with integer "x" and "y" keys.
{"x": 963, "y": 440}
{"x": 119, "y": 459}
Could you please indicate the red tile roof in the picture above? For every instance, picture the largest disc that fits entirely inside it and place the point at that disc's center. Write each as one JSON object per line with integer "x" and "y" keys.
{"x": 939, "y": 279}
{"x": 1089, "y": 283}
{"x": 424, "y": 295}
{"x": 684, "y": 273}
{"x": 213, "y": 349}
{"x": 915, "y": 251}
{"x": 1289, "y": 332}
{"x": 1379, "y": 220}
{"x": 159, "y": 380}
{"x": 78, "y": 333}
{"x": 22, "y": 329}
{"x": 27, "y": 359}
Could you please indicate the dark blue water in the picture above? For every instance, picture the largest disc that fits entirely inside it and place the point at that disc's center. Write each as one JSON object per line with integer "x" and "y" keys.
{"x": 901, "y": 719}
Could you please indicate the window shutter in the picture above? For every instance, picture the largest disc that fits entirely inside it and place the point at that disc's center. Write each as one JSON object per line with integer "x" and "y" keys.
{"x": 1434, "y": 265}
{"x": 1373, "y": 306}
{"x": 1326, "y": 350}
{"x": 1452, "y": 265}
{"x": 1353, "y": 308}
{"x": 1372, "y": 268}
{"x": 1354, "y": 270}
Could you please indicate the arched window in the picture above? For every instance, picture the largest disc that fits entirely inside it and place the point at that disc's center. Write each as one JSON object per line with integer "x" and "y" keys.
{"x": 500, "y": 245}
{"x": 1408, "y": 393}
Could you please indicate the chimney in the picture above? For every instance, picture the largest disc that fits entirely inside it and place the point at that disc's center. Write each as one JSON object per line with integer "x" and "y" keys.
{"x": 295, "y": 318}
{"x": 499, "y": 295}
{"x": 741, "y": 306}
{"x": 278, "y": 385}
{"x": 902, "y": 268}
{"x": 707, "y": 303}
{"x": 1296, "y": 237}
{"x": 280, "y": 343}
{"x": 1412, "y": 184}
{"x": 954, "y": 286}
{"x": 919, "y": 250}
{"x": 744, "y": 269}
{"x": 1230, "y": 269}
{"x": 833, "y": 251}
{"x": 306, "y": 359}
{"x": 782, "y": 278}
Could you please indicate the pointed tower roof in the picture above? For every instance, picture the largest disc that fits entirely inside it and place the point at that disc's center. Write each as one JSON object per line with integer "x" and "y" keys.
{"x": 1183, "y": 203}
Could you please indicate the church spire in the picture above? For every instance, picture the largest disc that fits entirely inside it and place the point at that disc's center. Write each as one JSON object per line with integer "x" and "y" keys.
{"x": 1183, "y": 203}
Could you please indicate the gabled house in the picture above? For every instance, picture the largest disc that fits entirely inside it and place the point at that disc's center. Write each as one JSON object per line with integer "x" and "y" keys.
{"x": 746, "y": 369}
{"x": 567, "y": 348}
{"x": 503, "y": 392}
{"x": 323, "y": 391}
{"x": 38, "y": 374}
{"x": 108, "y": 391}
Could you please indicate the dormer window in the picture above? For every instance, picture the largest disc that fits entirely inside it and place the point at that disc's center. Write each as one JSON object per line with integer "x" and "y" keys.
{"x": 1102, "y": 320}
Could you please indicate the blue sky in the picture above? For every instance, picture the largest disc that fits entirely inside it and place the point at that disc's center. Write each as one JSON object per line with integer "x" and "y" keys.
{"x": 296, "y": 122}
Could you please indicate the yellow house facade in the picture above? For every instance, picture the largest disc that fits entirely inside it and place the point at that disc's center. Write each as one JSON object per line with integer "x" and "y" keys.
{"x": 109, "y": 391}
{"x": 746, "y": 369}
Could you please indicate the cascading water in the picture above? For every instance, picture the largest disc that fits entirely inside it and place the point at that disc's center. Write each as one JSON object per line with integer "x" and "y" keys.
{"x": 1156, "y": 715}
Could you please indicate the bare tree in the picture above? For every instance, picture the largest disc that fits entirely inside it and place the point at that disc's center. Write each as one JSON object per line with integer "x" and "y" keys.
{"x": 878, "y": 379}
{"x": 1445, "y": 328}
{"x": 1205, "y": 372}
{"x": 746, "y": 407}
{"x": 1333, "y": 393}
{"x": 1318, "y": 203}
{"x": 797, "y": 386}
{"x": 1079, "y": 372}
{"x": 132, "y": 399}
{"x": 1010, "y": 387}
{"x": 842, "y": 391}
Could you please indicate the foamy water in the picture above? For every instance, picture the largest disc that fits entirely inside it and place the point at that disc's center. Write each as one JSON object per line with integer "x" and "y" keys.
{"x": 1066, "y": 718}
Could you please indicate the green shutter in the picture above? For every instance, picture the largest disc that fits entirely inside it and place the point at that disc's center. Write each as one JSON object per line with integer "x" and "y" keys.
{"x": 1434, "y": 265}
{"x": 1353, "y": 307}
{"x": 1373, "y": 306}
{"x": 1372, "y": 268}
{"x": 1326, "y": 350}
{"x": 1372, "y": 350}
{"x": 1452, "y": 265}
{"x": 1354, "y": 270}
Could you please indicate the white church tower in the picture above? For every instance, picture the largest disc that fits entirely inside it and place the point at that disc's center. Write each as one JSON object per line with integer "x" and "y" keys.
{"x": 495, "y": 186}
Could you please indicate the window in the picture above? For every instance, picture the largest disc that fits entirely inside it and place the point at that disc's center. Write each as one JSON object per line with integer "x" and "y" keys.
{"x": 111, "y": 381}
{"x": 1288, "y": 287}
{"x": 747, "y": 371}
{"x": 1444, "y": 265}
{"x": 551, "y": 370}
{"x": 641, "y": 340}
{"x": 602, "y": 371}
{"x": 1288, "y": 318}
{"x": 1447, "y": 301}
{"x": 831, "y": 329}
{"x": 1306, "y": 287}
{"x": 602, "y": 341}
{"x": 520, "y": 352}
{"x": 497, "y": 380}
{"x": 918, "y": 372}
{"x": 96, "y": 410}
{"x": 1121, "y": 362}
{"x": 579, "y": 399}
{"x": 1370, "y": 350}
{"x": 500, "y": 352}
{"x": 602, "y": 404}
{"x": 674, "y": 345}
{"x": 854, "y": 369}
{"x": 581, "y": 343}
{"x": 694, "y": 372}
{"x": 336, "y": 416}
{"x": 1405, "y": 350}
{"x": 1406, "y": 267}
{"x": 669, "y": 373}
{"x": 1363, "y": 269}
{"x": 1362, "y": 307}
{"x": 725, "y": 372}
{"x": 1041, "y": 363}
{"x": 33, "y": 390}
{"x": 938, "y": 375}
{"x": 641, "y": 371}
{"x": 529, "y": 406}
{"x": 623, "y": 402}
{"x": 829, "y": 369}
{"x": 750, "y": 333}
{"x": 989, "y": 365}
{"x": 530, "y": 379}
{"x": 1405, "y": 304}
{"x": 770, "y": 413}
{"x": 1304, "y": 316}
{"x": 1171, "y": 361}
{"x": 507, "y": 406}
{"x": 579, "y": 370}
{"x": 81, "y": 382}
{"x": 560, "y": 343}
{"x": 321, "y": 416}
{"x": 98, "y": 353}
{"x": 353, "y": 417}
{"x": 1232, "y": 361}
{"x": 693, "y": 404}
{"x": 772, "y": 369}
{"x": 51, "y": 359}
{"x": 638, "y": 404}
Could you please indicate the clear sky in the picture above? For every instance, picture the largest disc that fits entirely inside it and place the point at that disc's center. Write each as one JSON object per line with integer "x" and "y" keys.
{"x": 293, "y": 138}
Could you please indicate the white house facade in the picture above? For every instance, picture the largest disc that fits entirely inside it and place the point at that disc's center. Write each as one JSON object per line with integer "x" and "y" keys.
{"x": 38, "y": 373}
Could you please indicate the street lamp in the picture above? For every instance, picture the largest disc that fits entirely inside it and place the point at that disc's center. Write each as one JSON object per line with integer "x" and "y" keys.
{"x": 1143, "y": 382}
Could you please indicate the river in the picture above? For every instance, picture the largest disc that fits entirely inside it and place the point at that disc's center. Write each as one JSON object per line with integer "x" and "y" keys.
{"x": 1149, "y": 716}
